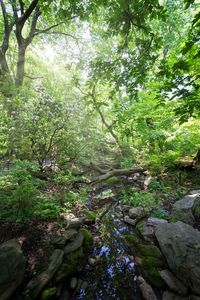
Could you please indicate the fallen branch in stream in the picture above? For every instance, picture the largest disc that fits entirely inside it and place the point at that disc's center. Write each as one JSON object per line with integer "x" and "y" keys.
{"x": 116, "y": 172}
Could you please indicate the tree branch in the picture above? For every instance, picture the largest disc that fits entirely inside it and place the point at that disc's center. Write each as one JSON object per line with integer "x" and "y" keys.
{"x": 28, "y": 12}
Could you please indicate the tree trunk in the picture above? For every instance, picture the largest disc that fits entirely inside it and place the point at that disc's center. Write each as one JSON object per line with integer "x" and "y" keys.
{"x": 20, "y": 65}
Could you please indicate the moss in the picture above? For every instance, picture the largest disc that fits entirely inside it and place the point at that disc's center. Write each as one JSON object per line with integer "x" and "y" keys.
{"x": 88, "y": 239}
{"x": 113, "y": 180}
{"x": 91, "y": 216}
{"x": 131, "y": 240}
{"x": 148, "y": 250}
{"x": 149, "y": 265}
{"x": 70, "y": 268}
{"x": 48, "y": 293}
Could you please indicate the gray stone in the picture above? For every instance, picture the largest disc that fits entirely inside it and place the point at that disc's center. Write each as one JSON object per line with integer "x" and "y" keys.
{"x": 180, "y": 244}
{"x": 146, "y": 230}
{"x": 73, "y": 283}
{"x": 183, "y": 209}
{"x": 137, "y": 212}
{"x": 146, "y": 290}
{"x": 58, "y": 241}
{"x": 74, "y": 245}
{"x": 172, "y": 282}
{"x": 171, "y": 296}
{"x": 75, "y": 223}
{"x": 12, "y": 268}
{"x": 36, "y": 285}
{"x": 70, "y": 234}
{"x": 129, "y": 221}
{"x": 156, "y": 221}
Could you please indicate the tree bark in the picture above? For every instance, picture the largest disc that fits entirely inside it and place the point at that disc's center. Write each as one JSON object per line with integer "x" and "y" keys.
{"x": 20, "y": 65}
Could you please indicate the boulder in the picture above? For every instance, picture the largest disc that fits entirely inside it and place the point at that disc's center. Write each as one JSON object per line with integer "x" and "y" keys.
{"x": 129, "y": 221}
{"x": 12, "y": 268}
{"x": 36, "y": 285}
{"x": 173, "y": 283}
{"x": 171, "y": 296}
{"x": 75, "y": 223}
{"x": 183, "y": 209}
{"x": 137, "y": 213}
{"x": 146, "y": 289}
{"x": 76, "y": 244}
{"x": 147, "y": 228}
{"x": 70, "y": 234}
{"x": 180, "y": 244}
{"x": 58, "y": 241}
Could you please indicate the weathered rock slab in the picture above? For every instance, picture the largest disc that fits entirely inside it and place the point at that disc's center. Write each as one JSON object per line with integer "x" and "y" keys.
{"x": 146, "y": 290}
{"x": 171, "y": 296}
{"x": 36, "y": 285}
{"x": 74, "y": 245}
{"x": 173, "y": 283}
{"x": 12, "y": 268}
{"x": 183, "y": 209}
{"x": 180, "y": 244}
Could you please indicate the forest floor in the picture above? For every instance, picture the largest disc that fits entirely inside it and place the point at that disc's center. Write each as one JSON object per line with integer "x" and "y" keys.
{"x": 35, "y": 235}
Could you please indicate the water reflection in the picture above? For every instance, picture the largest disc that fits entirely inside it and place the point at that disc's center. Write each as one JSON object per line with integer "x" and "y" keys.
{"x": 114, "y": 276}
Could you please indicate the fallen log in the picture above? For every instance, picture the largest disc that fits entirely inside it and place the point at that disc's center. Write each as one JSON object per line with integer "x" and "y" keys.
{"x": 116, "y": 172}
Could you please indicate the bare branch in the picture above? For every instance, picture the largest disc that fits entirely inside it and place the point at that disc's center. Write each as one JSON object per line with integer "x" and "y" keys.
{"x": 33, "y": 77}
{"x": 28, "y": 12}
{"x": 21, "y": 3}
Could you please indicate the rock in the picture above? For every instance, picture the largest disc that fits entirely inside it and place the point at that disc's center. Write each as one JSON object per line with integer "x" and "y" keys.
{"x": 84, "y": 285}
{"x": 49, "y": 293}
{"x": 146, "y": 290}
{"x": 173, "y": 283}
{"x": 129, "y": 221}
{"x": 59, "y": 241}
{"x": 75, "y": 223}
{"x": 145, "y": 230}
{"x": 92, "y": 261}
{"x": 183, "y": 209}
{"x": 73, "y": 283}
{"x": 88, "y": 238}
{"x": 156, "y": 221}
{"x": 148, "y": 250}
{"x": 70, "y": 267}
{"x": 70, "y": 234}
{"x": 36, "y": 285}
{"x": 137, "y": 212}
{"x": 171, "y": 296}
{"x": 180, "y": 244}
{"x": 74, "y": 245}
{"x": 12, "y": 268}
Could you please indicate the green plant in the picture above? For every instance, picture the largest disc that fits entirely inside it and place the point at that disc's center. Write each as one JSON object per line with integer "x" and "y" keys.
{"x": 47, "y": 207}
{"x": 160, "y": 213}
{"x": 142, "y": 198}
{"x": 18, "y": 192}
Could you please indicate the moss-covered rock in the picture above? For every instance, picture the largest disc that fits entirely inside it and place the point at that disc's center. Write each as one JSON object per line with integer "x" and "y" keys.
{"x": 49, "y": 293}
{"x": 149, "y": 266}
{"x": 88, "y": 239}
{"x": 131, "y": 240}
{"x": 69, "y": 268}
{"x": 148, "y": 250}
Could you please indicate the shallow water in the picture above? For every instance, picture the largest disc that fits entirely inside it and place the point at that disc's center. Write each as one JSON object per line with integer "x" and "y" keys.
{"x": 114, "y": 276}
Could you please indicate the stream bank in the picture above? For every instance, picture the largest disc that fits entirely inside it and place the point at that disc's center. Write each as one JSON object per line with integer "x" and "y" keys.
{"x": 128, "y": 258}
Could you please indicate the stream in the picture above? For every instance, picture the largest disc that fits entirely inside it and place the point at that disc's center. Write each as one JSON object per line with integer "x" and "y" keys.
{"x": 114, "y": 277}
